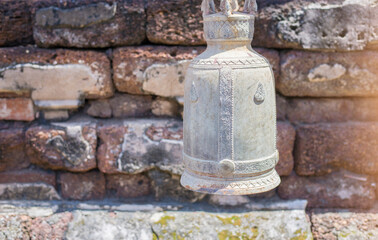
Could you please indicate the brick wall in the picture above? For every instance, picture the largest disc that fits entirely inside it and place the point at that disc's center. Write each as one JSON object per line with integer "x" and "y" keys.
{"x": 91, "y": 98}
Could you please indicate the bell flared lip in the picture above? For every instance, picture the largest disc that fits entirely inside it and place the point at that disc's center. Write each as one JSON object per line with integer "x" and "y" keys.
{"x": 221, "y": 186}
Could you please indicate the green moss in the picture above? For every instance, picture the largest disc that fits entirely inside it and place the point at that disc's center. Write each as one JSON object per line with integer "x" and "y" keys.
{"x": 154, "y": 236}
{"x": 164, "y": 220}
{"x": 234, "y": 220}
{"x": 227, "y": 235}
{"x": 344, "y": 234}
{"x": 255, "y": 232}
{"x": 176, "y": 237}
{"x": 300, "y": 235}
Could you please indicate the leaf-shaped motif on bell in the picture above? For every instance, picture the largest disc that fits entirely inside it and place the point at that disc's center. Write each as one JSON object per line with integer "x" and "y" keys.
{"x": 260, "y": 94}
{"x": 193, "y": 93}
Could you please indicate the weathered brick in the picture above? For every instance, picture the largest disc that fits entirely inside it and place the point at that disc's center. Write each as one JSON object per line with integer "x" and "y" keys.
{"x": 338, "y": 225}
{"x": 315, "y": 110}
{"x": 121, "y": 106}
{"x": 376, "y": 186}
{"x": 67, "y": 146}
{"x": 308, "y": 24}
{"x": 82, "y": 186}
{"x": 127, "y": 185}
{"x": 373, "y": 37}
{"x": 28, "y": 191}
{"x": 319, "y": 74}
{"x": 281, "y": 105}
{"x": 135, "y": 69}
{"x": 336, "y": 190}
{"x": 51, "y": 227}
{"x": 55, "y": 115}
{"x": 136, "y": 146}
{"x": 125, "y": 105}
{"x": 55, "y": 79}
{"x": 285, "y": 146}
{"x": 167, "y": 186}
{"x": 165, "y": 107}
{"x": 99, "y": 108}
{"x": 323, "y": 148}
{"x": 15, "y": 22}
{"x": 12, "y": 147}
{"x": 298, "y": 24}
{"x": 175, "y": 22}
{"x": 18, "y": 109}
{"x": 178, "y": 22}
{"x": 29, "y": 176}
{"x": 161, "y": 70}
{"x": 88, "y": 23}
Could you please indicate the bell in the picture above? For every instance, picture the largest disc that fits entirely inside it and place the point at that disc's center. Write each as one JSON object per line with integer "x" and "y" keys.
{"x": 230, "y": 109}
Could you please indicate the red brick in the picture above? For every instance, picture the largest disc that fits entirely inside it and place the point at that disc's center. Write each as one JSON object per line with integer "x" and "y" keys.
{"x": 12, "y": 147}
{"x": 161, "y": 70}
{"x": 121, "y": 106}
{"x": 111, "y": 139}
{"x": 116, "y": 23}
{"x": 125, "y": 105}
{"x": 54, "y": 78}
{"x": 28, "y": 176}
{"x": 15, "y": 22}
{"x": 165, "y": 107}
{"x": 130, "y": 63}
{"x": 127, "y": 186}
{"x": 315, "y": 110}
{"x": 285, "y": 146}
{"x": 325, "y": 147}
{"x": 336, "y": 190}
{"x": 82, "y": 186}
{"x": 328, "y": 74}
{"x": 67, "y": 146}
{"x": 175, "y": 22}
{"x": 136, "y": 146}
{"x": 18, "y": 109}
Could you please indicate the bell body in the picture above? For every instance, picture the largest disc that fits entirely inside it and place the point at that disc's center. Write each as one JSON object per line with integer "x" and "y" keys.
{"x": 230, "y": 113}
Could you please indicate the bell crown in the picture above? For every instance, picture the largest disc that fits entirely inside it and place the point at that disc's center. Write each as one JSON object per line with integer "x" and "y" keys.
{"x": 229, "y": 23}
{"x": 228, "y": 7}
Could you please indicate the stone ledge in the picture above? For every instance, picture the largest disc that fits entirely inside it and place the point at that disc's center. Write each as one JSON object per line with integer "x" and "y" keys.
{"x": 344, "y": 225}
{"x": 147, "y": 221}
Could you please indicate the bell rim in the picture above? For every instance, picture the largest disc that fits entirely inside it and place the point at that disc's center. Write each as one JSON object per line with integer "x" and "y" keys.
{"x": 220, "y": 186}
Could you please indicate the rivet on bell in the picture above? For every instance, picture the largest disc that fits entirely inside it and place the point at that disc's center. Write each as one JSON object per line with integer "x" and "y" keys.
{"x": 226, "y": 167}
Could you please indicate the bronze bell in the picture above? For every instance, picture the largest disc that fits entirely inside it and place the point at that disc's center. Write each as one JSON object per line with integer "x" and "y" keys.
{"x": 230, "y": 108}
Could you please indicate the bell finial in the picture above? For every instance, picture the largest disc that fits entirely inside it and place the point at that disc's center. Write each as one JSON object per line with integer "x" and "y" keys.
{"x": 208, "y": 7}
{"x": 250, "y": 6}
{"x": 228, "y": 7}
